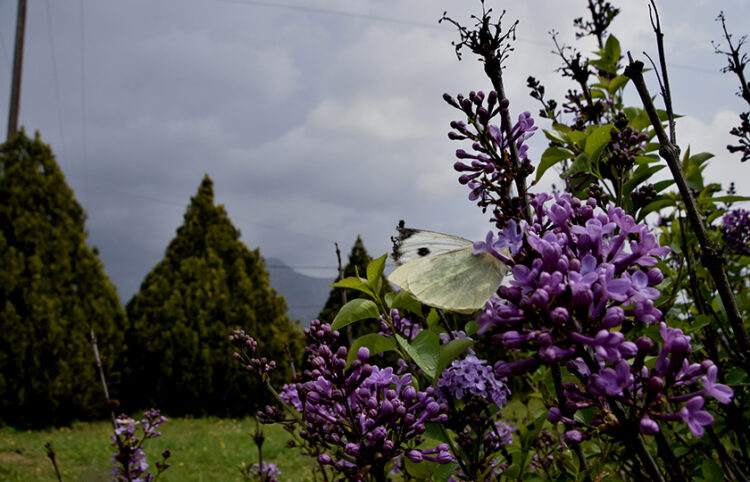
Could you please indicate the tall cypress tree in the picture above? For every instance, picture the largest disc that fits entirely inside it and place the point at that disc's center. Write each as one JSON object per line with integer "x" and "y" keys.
{"x": 355, "y": 266}
{"x": 208, "y": 284}
{"x": 53, "y": 290}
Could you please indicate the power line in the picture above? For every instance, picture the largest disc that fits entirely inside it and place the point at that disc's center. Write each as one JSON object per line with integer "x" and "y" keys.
{"x": 5, "y": 51}
{"x": 110, "y": 189}
{"x": 55, "y": 77}
{"x": 83, "y": 104}
{"x": 398, "y": 21}
{"x": 337, "y": 13}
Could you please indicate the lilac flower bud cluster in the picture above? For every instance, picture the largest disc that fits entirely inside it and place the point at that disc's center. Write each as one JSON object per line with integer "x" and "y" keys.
{"x": 578, "y": 274}
{"x": 742, "y": 132}
{"x": 736, "y": 229}
{"x": 472, "y": 377}
{"x": 582, "y": 279}
{"x": 246, "y": 346}
{"x": 363, "y": 415}
{"x": 267, "y": 473}
{"x": 402, "y": 326}
{"x": 624, "y": 146}
{"x": 130, "y": 459}
{"x": 487, "y": 170}
{"x": 654, "y": 394}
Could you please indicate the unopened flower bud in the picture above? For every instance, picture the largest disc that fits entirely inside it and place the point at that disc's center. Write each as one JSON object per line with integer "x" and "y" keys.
{"x": 648, "y": 426}
{"x": 644, "y": 344}
{"x": 574, "y": 437}
{"x": 414, "y": 455}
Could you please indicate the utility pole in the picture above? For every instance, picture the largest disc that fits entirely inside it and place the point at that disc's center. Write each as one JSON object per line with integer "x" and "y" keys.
{"x": 15, "y": 89}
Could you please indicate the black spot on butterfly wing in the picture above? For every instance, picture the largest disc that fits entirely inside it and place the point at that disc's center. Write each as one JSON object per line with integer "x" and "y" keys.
{"x": 404, "y": 233}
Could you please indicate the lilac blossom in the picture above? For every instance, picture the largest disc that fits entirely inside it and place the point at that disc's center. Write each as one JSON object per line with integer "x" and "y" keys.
{"x": 736, "y": 229}
{"x": 401, "y": 326}
{"x": 580, "y": 276}
{"x": 472, "y": 377}
{"x": 130, "y": 460}
{"x": 363, "y": 415}
{"x": 486, "y": 169}
{"x": 267, "y": 473}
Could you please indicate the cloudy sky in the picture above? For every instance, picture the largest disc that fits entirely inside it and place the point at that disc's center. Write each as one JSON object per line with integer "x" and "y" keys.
{"x": 318, "y": 120}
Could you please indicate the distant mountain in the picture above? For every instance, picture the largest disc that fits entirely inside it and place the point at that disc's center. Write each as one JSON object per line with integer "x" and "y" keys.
{"x": 305, "y": 295}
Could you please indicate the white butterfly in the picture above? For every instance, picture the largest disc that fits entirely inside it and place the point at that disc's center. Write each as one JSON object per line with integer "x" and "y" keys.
{"x": 440, "y": 270}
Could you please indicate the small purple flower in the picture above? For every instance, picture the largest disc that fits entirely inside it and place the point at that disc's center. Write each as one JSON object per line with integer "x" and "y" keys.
{"x": 268, "y": 472}
{"x": 472, "y": 376}
{"x": 736, "y": 229}
{"x": 719, "y": 391}
{"x": 696, "y": 418}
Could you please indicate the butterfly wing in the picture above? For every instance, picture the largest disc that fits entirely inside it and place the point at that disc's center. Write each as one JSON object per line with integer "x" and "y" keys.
{"x": 455, "y": 280}
{"x": 412, "y": 244}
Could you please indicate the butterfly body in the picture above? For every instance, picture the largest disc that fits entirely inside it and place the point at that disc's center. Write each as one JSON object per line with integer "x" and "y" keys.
{"x": 441, "y": 270}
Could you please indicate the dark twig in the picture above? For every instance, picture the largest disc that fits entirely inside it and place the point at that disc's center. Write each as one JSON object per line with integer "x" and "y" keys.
{"x": 100, "y": 367}
{"x": 349, "y": 335}
{"x": 53, "y": 458}
{"x": 711, "y": 257}
{"x": 737, "y": 61}
{"x": 653, "y": 14}
{"x": 492, "y": 45}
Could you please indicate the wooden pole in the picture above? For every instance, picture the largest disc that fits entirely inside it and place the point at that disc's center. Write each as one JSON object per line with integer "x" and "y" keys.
{"x": 15, "y": 90}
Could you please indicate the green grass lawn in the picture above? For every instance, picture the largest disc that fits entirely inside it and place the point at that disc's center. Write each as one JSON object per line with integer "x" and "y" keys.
{"x": 207, "y": 449}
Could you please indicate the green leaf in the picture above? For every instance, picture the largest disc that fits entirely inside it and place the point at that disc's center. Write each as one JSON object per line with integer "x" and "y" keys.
{"x": 726, "y": 199}
{"x": 552, "y": 156}
{"x": 355, "y": 310}
{"x": 450, "y": 351}
{"x": 700, "y": 158}
{"x": 373, "y": 342}
{"x": 737, "y": 376}
{"x": 640, "y": 120}
{"x": 662, "y": 185}
{"x": 471, "y": 327}
{"x": 597, "y": 140}
{"x": 405, "y": 301}
{"x": 556, "y": 135}
{"x": 641, "y": 174}
{"x": 581, "y": 164}
{"x": 699, "y": 322}
{"x": 355, "y": 283}
{"x": 424, "y": 350}
{"x": 375, "y": 272}
{"x": 712, "y": 471}
{"x": 617, "y": 83}
{"x": 656, "y": 205}
{"x": 435, "y": 432}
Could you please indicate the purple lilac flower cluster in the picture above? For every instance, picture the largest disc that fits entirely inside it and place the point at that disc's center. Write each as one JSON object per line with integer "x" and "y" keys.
{"x": 736, "y": 228}
{"x": 742, "y": 132}
{"x": 130, "y": 459}
{"x": 488, "y": 171}
{"x": 624, "y": 146}
{"x": 267, "y": 473}
{"x": 582, "y": 279}
{"x": 247, "y": 345}
{"x": 401, "y": 326}
{"x": 472, "y": 377}
{"x": 362, "y": 416}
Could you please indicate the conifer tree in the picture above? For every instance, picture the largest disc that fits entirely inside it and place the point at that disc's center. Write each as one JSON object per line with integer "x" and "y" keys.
{"x": 53, "y": 291}
{"x": 208, "y": 284}
{"x": 355, "y": 266}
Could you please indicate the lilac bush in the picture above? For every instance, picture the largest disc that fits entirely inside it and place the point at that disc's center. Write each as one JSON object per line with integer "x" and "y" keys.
{"x": 130, "y": 464}
{"x": 618, "y": 353}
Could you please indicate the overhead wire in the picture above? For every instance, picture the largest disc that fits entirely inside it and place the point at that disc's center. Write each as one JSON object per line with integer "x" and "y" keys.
{"x": 84, "y": 147}
{"x": 56, "y": 79}
{"x": 110, "y": 189}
